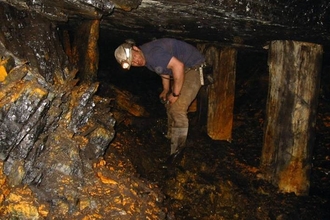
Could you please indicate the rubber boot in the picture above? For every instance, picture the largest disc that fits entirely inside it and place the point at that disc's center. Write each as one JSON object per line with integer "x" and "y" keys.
{"x": 178, "y": 139}
{"x": 178, "y": 144}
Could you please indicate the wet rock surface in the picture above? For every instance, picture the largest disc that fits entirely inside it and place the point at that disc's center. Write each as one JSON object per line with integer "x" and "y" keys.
{"x": 54, "y": 134}
{"x": 53, "y": 139}
{"x": 249, "y": 24}
{"x": 240, "y": 23}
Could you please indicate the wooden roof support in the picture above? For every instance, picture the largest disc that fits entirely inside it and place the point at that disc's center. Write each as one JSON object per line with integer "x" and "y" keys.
{"x": 294, "y": 75}
{"x": 221, "y": 93}
{"x": 84, "y": 52}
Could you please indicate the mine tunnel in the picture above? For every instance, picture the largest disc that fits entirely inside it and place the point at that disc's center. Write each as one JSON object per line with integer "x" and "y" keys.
{"x": 82, "y": 138}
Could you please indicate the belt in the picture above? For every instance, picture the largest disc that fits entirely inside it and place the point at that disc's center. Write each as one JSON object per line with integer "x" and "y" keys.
{"x": 196, "y": 67}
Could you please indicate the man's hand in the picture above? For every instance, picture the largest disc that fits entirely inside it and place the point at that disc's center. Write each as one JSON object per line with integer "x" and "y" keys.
{"x": 172, "y": 99}
{"x": 163, "y": 95}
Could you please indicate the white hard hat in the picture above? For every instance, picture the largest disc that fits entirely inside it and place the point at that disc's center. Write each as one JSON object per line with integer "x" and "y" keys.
{"x": 123, "y": 54}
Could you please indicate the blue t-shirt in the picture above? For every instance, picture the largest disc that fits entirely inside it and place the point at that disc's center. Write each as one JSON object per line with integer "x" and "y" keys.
{"x": 158, "y": 54}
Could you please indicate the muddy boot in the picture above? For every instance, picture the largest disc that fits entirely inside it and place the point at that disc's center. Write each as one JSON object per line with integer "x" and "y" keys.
{"x": 178, "y": 139}
{"x": 178, "y": 143}
{"x": 174, "y": 159}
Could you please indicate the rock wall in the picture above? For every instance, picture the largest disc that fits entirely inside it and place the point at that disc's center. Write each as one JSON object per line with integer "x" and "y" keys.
{"x": 43, "y": 108}
{"x": 54, "y": 132}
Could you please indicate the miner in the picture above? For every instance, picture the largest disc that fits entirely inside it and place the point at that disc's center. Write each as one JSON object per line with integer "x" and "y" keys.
{"x": 178, "y": 64}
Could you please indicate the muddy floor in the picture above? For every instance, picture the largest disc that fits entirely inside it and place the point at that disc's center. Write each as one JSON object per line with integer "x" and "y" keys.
{"x": 217, "y": 179}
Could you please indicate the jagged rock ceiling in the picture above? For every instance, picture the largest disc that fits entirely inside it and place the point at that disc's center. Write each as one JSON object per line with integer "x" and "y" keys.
{"x": 246, "y": 23}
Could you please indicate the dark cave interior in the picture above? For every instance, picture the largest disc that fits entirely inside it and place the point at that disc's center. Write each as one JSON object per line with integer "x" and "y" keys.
{"x": 65, "y": 174}
{"x": 250, "y": 102}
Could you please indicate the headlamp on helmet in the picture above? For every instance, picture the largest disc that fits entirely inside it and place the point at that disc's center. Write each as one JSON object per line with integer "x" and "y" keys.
{"x": 123, "y": 54}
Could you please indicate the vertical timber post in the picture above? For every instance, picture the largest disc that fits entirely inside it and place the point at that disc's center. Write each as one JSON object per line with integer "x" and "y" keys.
{"x": 67, "y": 45}
{"x": 221, "y": 93}
{"x": 85, "y": 50}
{"x": 294, "y": 74}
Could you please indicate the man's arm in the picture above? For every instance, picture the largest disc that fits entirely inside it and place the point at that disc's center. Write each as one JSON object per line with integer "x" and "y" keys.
{"x": 177, "y": 68}
{"x": 166, "y": 87}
